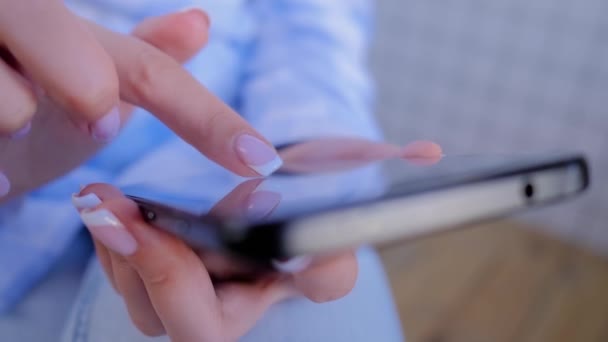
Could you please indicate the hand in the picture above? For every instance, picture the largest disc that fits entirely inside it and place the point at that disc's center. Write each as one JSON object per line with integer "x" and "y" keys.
{"x": 168, "y": 288}
{"x": 56, "y": 146}
{"x": 146, "y": 77}
{"x": 45, "y": 45}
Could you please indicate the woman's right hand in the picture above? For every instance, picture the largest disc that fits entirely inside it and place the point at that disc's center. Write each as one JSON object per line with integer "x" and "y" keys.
{"x": 45, "y": 44}
{"x": 85, "y": 71}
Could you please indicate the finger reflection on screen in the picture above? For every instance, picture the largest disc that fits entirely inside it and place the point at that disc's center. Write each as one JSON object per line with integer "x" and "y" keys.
{"x": 344, "y": 153}
{"x": 247, "y": 201}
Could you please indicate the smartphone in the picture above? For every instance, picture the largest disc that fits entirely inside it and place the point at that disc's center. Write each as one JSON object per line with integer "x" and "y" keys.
{"x": 316, "y": 206}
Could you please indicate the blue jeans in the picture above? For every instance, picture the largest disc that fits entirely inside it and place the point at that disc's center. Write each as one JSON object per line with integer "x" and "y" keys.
{"x": 367, "y": 314}
{"x": 98, "y": 314}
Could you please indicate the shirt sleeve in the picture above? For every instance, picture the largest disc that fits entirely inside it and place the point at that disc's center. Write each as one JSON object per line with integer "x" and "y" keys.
{"x": 307, "y": 74}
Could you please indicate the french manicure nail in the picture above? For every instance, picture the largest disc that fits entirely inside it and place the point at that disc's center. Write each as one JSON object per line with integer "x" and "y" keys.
{"x": 258, "y": 155}
{"x": 22, "y": 132}
{"x": 108, "y": 229}
{"x": 106, "y": 128}
{"x": 5, "y": 185}
{"x": 261, "y": 204}
{"x": 88, "y": 201}
{"x": 293, "y": 265}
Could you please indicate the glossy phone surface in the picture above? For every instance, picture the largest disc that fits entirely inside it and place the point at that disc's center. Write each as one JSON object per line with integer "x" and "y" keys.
{"x": 303, "y": 208}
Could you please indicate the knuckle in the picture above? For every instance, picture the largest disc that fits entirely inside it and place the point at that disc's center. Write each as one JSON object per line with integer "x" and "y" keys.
{"x": 169, "y": 271}
{"x": 121, "y": 263}
{"x": 144, "y": 77}
{"x": 205, "y": 125}
{"x": 159, "y": 274}
{"x": 18, "y": 117}
{"x": 95, "y": 102}
{"x": 159, "y": 278}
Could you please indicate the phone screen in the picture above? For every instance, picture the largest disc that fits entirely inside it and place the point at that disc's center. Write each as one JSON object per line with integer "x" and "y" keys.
{"x": 309, "y": 183}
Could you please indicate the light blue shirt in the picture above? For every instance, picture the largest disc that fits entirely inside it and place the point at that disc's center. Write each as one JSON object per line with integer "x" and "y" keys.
{"x": 295, "y": 69}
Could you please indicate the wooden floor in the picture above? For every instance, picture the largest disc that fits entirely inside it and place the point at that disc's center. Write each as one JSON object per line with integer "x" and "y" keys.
{"x": 498, "y": 283}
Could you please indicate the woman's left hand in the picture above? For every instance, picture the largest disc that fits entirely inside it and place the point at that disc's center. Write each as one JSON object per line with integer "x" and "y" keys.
{"x": 56, "y": 146}
{"x": 167, "y": 287}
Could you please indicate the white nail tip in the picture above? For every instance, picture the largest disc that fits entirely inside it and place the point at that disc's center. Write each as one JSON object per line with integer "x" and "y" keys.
{"x": 268, "y": 168}
{"x": 100, "y": 218}
{"x": 294, "y": 265}
{"x": 88, "y": 201}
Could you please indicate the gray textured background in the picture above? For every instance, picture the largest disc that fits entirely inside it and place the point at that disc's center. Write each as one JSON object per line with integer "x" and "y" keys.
{"x": 483, "y": 76}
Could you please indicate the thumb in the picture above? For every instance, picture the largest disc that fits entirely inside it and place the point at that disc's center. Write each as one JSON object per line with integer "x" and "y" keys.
{"x": 180, "y": 35}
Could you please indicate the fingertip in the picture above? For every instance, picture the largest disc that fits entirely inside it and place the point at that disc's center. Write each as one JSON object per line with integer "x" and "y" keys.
{"x": 19, "y": 102}
{"x": 85, "y": 202}
{"x": 148, "y": 237}
{"x": 422, "y": 149}
{"x": 196, "y": 20}
{"x": 148, "y": 328}
{"x": 330, "y": 279}
{"x": 198, "y": 17}
{"x": 100, "y": 196}
{"x": 125, "y": 208}
{"x": 106, "y": 128}
{"x": 111, "y": 230}
{"x": 190, "y": 35}
{"x": 258, "y": 155}
{"x": 102, "y": 190}
{"x": 180, "y": 34}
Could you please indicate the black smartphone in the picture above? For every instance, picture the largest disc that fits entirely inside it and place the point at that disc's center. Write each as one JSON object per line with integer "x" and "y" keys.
{"x": 318, "y": 206}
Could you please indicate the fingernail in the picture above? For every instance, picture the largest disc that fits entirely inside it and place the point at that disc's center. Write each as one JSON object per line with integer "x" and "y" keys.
{"x": 261, "y": 204}
{"x": 88, "y": 201}
{"x": 293, "y": 265}
{"x": 5, "y": 185}
{"x": 106, "y": 128}
{"x": 258, "y": 155}
{"x": 22, "y": 132}
{"x": 108, "y": 229}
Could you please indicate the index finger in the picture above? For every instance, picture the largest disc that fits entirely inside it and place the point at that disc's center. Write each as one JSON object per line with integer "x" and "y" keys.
{"x": 152, "y": 80}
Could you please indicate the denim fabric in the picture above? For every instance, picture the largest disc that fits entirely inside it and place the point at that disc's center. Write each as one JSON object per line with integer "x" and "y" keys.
{"x": 367, "y": 314}
{"x": 293, "y": 68}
